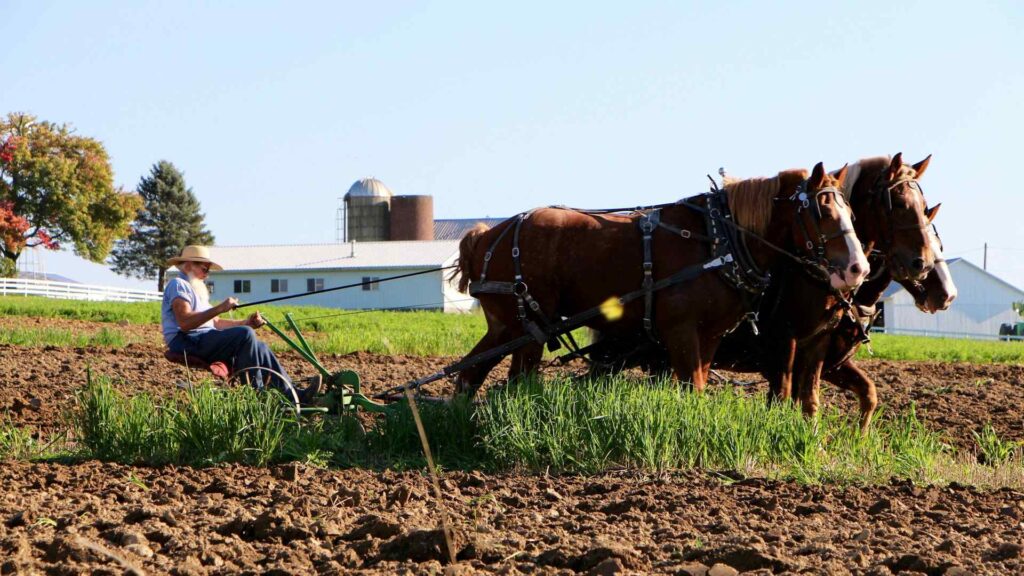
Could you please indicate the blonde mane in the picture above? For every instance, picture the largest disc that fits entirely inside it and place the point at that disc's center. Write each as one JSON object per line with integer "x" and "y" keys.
{"x": 751, "y": 201}
{"x": 874, "y": 165}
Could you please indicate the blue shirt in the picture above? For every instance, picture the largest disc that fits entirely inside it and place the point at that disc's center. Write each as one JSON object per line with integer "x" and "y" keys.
{"x": 179, "y": 288}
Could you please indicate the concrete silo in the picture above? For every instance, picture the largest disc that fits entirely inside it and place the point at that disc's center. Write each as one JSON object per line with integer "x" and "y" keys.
{"x": 367, "y": 212}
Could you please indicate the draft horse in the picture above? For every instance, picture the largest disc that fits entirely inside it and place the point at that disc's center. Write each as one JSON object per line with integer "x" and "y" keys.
{"x": 798, "y": 311}
{"x": 799, "y": 342}
{"x": 933, "y": 294}
{"x": 551, "y": 263}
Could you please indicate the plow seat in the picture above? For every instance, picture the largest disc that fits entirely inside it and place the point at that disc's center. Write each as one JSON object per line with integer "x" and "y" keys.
{"x": 219, "y": 369}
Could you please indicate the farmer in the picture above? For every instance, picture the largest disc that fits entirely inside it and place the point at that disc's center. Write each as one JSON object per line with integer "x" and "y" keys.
{"x": 191, "y": 326}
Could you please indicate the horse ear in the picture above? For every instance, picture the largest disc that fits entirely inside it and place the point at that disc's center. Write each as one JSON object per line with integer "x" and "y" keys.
{"x": 840, "y": 176}
{"x": 817, "y": 176}
{"x": 895, "y": 165}
{"x": 921, "y": 166}
{"x": 932, "y": 212}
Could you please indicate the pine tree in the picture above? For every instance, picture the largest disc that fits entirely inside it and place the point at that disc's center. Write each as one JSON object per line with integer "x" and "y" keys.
{"x": 168, "y": 220}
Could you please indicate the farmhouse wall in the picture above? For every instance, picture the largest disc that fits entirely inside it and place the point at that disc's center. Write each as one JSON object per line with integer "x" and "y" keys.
{"x": 984, "y": 302}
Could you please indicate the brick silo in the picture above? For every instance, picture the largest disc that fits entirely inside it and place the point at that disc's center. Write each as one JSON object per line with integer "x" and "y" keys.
{"x": 412, "y": 218}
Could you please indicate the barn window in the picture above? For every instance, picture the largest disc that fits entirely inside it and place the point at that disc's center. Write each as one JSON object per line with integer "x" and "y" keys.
{"x": 242, "y": 287}
{"x": 279, "y": 285}
{"x": 314, "y": 284}
{"x": 371, "y": 283}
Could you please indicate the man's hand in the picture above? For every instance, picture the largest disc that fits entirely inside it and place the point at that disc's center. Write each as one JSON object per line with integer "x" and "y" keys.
{"x": 255, "y": 320}
{"x": 227, "y": 305}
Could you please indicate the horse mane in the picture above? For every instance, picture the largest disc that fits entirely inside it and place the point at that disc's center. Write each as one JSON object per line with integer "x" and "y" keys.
{"x": 751, "y": 200}
{"x": 871, "y": 167}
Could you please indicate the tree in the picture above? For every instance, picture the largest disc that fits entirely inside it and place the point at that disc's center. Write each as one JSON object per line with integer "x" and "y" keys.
{"x": 57, "y": 187}
{"x": 168, "y": 220}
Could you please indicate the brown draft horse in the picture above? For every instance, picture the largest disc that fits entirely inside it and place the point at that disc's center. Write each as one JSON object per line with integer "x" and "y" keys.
{"x": 903, "y": 244}
{"x": 573, "y": 261}
{"x": 796, "y": 311}
{"x": 933, "y": 294}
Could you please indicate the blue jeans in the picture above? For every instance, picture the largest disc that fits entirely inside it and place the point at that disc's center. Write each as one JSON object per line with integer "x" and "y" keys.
{"x": 237, "y": 346}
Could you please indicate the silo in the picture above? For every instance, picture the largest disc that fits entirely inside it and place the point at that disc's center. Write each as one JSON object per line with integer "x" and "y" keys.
{"x": 412, "y": 217}
{"x": 367, "y": 205}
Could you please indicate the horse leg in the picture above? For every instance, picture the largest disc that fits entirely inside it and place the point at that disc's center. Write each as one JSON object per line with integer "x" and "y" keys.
{"x": 849, "y": 376}
{"x": 469, "y": 380}
{"x": 807, "y": 374}
{"x": 525, "y": 361}
{"x": 684, "y": 351}
{"x": 780, "y": 373}
{"x": 707, "y": 356}
{"x": 809, "y": 381}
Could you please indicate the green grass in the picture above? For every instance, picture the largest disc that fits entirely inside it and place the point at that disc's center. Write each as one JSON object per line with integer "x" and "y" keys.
{"x": 40, "y": 307}
{"x": 539, "y": 426}
{"x": 200, "y": 427}
{"x": 425, "y": 333}
{"x": 897, "y": 347}
{"x": 105, "y": 337}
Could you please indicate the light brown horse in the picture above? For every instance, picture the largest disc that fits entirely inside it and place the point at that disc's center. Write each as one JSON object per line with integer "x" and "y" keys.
{"x": 933, "y": 294}
{"x": 572, "y": 261}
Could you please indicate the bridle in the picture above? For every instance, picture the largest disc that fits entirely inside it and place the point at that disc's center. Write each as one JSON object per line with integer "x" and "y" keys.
{"x": 816, "y": 250}
{"x": 884, "y": 190}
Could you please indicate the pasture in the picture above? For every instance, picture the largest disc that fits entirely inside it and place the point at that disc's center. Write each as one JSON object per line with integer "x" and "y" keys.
{"x": 545, "y": 477}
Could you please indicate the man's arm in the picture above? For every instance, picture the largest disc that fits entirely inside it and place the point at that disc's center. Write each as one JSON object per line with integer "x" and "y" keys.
{"x": 253, "y": 321}
{"x": 189, "y": 319}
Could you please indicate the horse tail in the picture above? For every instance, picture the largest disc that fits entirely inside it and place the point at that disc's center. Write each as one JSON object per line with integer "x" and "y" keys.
{"x": 466, "y": 247}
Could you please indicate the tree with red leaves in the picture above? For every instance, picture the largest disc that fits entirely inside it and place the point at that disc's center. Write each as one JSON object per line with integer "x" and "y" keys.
{"x": 56, "y": 188}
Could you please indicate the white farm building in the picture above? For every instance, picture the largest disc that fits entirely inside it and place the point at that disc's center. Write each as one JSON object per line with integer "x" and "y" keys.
{"x": 984, "y": 302}
{"x": 254, "y": 273}
{"x": 378, "y": 235}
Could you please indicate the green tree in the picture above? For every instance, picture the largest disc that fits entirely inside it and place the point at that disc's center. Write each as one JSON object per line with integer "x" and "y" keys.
{"x": 1019, "y": 307}
{"x": 57, "y": 187}
{"x": 168, "y": 220}
{"x": 7, "y": 268}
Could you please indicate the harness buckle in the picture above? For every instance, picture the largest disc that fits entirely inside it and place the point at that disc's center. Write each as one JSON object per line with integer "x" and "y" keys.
{"x": 515, "y": 252}
{"x": 519, "y": 288}
{"x": 752, "y": 318}
{"x": 487, "y": 256}
{"x": 647, "y": 226}
{"x": 810, "y": 245}
{"x": 648, "y": 266}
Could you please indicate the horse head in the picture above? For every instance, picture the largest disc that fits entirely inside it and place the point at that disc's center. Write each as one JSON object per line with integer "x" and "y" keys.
{"x": 936, "y": 291}
{"x": 889, "y": 207}
{"x": 823, "y": 229}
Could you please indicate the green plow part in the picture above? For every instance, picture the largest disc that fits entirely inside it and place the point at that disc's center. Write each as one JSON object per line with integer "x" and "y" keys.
{"x": 343, "y": 389}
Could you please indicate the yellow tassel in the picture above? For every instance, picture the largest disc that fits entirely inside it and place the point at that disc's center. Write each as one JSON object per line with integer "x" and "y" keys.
{"x": 612, "y": 309}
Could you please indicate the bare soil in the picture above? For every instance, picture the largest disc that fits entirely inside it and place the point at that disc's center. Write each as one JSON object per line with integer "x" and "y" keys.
{"x": 95, "y": 517}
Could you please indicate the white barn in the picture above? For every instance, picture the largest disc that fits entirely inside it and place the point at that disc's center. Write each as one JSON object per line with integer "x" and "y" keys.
{"x": 254, "y": 273}
{"x": 984, "y": 302}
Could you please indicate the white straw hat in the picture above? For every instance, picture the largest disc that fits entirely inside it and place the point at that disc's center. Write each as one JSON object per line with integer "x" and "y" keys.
{"x": 194, "y": 254}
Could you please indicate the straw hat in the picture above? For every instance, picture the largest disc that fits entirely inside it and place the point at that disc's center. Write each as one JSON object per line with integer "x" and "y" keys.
{"x": 194, "y": 254}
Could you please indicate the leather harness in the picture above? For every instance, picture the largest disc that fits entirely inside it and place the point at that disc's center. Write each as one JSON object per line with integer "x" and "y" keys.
{"x": 730, "y": 256}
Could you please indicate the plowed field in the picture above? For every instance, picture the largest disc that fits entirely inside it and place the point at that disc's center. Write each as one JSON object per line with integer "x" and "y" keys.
{"x": 57, "y": 518}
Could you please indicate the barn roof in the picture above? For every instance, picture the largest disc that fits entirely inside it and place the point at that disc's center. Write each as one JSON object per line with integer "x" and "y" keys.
{"x": 455, "y": 228}
{"x": 352, "y": 255}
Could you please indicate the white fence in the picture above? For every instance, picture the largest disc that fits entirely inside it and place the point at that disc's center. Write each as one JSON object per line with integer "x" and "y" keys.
{"x": 938, "y": 334}
{"x": 73, "y": 291}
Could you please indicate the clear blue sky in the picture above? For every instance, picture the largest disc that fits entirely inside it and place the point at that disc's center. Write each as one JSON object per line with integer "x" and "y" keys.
{"x": 273, "y": 109}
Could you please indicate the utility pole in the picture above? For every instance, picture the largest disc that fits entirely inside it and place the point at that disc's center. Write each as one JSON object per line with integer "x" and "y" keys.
{"x": 984, "y": 259}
